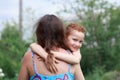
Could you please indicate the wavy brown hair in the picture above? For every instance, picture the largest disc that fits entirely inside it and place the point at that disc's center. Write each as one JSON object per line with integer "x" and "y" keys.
{"x": 50, "y": 33}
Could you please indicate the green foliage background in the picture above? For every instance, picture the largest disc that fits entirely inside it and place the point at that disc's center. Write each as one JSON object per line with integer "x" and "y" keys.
{"x": 12, "y": 48}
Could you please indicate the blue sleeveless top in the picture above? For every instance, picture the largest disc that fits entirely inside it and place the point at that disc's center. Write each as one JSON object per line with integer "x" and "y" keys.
{"x": 64, "y": 76}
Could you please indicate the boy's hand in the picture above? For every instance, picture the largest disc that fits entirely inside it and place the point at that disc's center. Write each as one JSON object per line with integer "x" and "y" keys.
{"x": 38, "y": 50}
{"x": 50, "y": 63}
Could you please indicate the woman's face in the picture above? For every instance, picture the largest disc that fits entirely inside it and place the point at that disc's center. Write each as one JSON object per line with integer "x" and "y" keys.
{"x": 75, "y": 40}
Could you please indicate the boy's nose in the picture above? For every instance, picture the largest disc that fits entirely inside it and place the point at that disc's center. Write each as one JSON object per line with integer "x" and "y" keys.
{"x": 78, "y": 45}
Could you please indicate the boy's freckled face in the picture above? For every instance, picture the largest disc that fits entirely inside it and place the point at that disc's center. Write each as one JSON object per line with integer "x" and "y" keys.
{"x": 75, "y": 40}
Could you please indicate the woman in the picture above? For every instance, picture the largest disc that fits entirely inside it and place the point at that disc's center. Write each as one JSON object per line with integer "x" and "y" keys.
{"x": 50, "y": 35}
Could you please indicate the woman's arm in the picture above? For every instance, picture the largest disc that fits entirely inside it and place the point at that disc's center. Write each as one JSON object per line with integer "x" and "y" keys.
{"x": 72, "y": 59}
{"x": 78, "y": 73}
{"x": 23, "y": 74}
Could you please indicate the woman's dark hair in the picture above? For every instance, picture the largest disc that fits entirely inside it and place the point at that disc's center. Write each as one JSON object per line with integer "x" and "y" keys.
{"x": 50, "y": 33}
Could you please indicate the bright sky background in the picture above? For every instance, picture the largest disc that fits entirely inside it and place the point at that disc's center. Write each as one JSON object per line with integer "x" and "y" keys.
{"x": 9, "y": 8}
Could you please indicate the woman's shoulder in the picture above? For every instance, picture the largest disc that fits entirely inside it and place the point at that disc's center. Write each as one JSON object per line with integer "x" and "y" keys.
{"x": 27, "y": 57}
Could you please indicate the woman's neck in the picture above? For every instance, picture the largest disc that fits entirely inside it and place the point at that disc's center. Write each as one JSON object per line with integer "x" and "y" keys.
{"x": 56, "y": 48}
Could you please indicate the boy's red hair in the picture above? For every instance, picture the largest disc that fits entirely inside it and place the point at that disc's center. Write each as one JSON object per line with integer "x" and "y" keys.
{"x": 72, "y": 27}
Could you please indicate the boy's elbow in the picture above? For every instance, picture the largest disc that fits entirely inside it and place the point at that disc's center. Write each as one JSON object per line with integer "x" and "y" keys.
{"x": 77, "y": 60}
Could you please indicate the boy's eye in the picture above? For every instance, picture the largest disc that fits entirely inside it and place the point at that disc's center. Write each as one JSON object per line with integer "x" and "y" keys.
{"x": 75, "y": 39}
{"x": 80, "y": 41}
